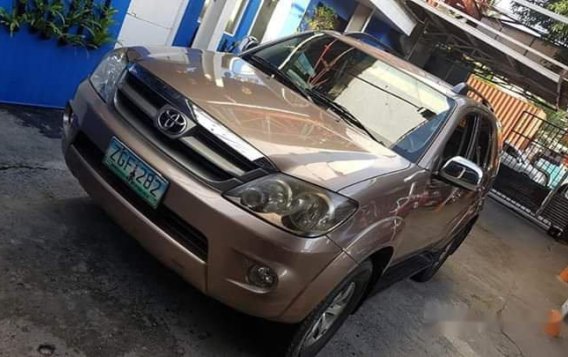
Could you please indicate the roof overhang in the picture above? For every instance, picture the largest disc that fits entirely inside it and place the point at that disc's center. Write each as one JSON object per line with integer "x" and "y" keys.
{"x": 395, "y": 14}
{"x": 485, "y": 46}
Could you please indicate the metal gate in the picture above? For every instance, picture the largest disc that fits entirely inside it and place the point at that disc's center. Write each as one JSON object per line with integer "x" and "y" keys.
{"x": 533, "y": 178}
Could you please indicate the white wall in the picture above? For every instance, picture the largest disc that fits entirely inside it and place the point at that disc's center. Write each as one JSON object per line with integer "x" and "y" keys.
{"x": 151, "y": 22}
{"x": 285, "y": 19}
{"x": 213, "y": 25}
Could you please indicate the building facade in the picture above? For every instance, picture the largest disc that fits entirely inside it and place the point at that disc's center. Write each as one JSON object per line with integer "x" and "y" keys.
{"x": 220, "y": 24}
{"x": 32, "y": 67}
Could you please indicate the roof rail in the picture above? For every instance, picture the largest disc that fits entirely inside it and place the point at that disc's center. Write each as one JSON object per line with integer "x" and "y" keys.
{"x": 464, "y": 88}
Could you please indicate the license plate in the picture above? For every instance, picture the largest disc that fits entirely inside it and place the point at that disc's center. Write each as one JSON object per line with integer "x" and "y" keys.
{"x": 137, "y": 174}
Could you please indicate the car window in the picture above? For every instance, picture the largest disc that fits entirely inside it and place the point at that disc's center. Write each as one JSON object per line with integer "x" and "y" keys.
{"x": 459, "y": 142}
{"x": 397, "y": 108}
{"x": 482, "y": 151}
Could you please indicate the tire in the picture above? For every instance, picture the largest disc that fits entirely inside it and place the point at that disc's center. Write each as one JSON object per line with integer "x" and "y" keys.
{"x": 308, "y": 338}
{"x": 428, "y": 273}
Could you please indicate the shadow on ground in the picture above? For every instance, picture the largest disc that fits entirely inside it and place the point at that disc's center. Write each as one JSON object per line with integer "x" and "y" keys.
{"x": 77, "y": 274}
{"x": 47, "y": 121}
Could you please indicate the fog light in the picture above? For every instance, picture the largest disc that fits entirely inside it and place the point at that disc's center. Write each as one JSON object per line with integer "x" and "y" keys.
{"x": 69, "y": 117}
{"x": 262, "y": 276}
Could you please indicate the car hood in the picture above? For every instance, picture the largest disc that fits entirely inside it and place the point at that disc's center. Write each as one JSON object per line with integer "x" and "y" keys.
{"x": 299, "y": 137}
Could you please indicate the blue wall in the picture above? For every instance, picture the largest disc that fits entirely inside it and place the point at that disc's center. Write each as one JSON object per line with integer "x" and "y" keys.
{"x": 243, "y": 27}
{"x": 189, "y": 25}
{"x": 382, "y": 31}
{"x": 41, "y": 73}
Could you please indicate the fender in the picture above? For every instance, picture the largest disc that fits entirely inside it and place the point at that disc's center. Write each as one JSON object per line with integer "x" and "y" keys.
{"x": 319, "y": 288}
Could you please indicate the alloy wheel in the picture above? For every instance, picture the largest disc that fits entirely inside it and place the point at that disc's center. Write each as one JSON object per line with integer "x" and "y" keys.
{"x": 330, "y": 315}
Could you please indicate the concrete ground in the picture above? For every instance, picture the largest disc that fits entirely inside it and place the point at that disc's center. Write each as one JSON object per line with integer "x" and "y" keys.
{"x": 72, "y": 283}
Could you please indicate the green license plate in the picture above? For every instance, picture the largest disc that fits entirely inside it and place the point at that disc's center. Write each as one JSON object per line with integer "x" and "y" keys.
{"x": 137, "y": 174}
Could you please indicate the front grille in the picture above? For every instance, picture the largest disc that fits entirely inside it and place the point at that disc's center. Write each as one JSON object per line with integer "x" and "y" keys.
{"x": 139, "y": 98}
{"x": 185, "y": 234}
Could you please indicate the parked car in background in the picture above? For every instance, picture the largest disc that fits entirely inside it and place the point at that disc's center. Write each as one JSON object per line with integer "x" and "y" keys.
{"x": 519, "y": 162}
{"x": 290, "y": 182}
{"x": 554, "y": 167}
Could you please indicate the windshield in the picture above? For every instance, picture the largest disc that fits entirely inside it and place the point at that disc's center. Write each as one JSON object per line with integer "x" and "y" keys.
{"x": 395, "y": 108}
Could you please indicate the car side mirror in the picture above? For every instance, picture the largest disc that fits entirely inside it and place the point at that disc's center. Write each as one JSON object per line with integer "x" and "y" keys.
{"x": 246, "y": 44}
{"x": 463, "y": 173}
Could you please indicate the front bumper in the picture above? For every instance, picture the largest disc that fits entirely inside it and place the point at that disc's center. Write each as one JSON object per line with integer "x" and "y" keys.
{"x": 307, "y": 269}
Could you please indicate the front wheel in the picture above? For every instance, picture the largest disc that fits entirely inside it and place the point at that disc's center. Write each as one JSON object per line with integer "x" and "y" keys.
{"x": 318, "y": 328}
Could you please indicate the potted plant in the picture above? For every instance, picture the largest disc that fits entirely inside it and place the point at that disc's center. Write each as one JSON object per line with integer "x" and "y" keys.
{"x": 71, "y": 39}
{"x": 100, "y": 31}
{"x": 76, "y": 18}
{"x": 20, "y": 7}
{"x": 82, "y": 23}
{"x": 47, "y": 18}
{"x": 12, "y": 20}
{"x": 324, "y": 18}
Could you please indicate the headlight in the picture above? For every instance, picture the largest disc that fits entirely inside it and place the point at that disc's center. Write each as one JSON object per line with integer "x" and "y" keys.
{"x": 105, "y": 77}
{"x": 294, "y": 205}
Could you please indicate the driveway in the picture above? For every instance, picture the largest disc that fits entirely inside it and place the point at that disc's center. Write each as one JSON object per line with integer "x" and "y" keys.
{"x": 72, "y": 283}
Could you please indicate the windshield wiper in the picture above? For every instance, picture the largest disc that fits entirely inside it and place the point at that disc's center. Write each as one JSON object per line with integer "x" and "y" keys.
{"x": 273, "y": 70}
{"x": 343, "y": 112}
{"x": 310, "y": 94}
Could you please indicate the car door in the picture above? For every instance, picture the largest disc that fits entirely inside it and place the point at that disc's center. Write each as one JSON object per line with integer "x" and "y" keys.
{"x": 444, "y": 205}
{"x": 485, "y": 154}
{"x": 455, "y": 204}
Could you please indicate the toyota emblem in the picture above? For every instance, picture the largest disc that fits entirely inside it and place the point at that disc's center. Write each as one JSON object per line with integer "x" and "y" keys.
{"x": 172, "y": 122}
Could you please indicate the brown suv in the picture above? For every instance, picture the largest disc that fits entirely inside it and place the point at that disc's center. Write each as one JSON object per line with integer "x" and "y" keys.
{"x": 289, "y": 182}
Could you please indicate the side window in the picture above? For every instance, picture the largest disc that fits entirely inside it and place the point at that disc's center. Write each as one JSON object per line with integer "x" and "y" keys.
{"x": 459, "y": 142}
{"x": 483, "y": 149}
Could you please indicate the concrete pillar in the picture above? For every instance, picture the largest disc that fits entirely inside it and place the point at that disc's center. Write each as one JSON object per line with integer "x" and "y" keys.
{"x": 213, "y": 24}
{"x": 396, "y": 14}
{"x": 278, "y": 20}
{"x": 360, "y": 19}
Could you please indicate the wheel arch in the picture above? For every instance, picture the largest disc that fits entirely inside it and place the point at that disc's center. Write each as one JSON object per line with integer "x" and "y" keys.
{"x": 380, "y": 260}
